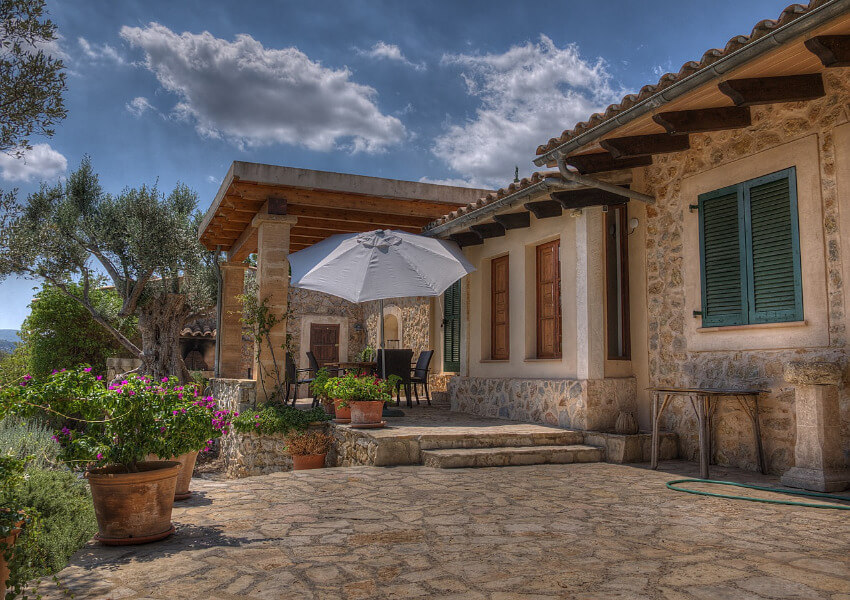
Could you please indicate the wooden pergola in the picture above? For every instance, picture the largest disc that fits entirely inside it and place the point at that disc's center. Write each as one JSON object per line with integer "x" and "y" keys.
{"x": 272, "y": 211}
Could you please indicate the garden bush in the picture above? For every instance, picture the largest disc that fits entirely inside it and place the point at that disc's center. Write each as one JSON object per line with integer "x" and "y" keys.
{"x": 272, "y": 418}
{"x": 29, "y": 439}
{"x": 66, "y": 519}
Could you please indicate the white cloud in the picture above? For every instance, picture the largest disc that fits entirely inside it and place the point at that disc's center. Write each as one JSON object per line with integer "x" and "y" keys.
{"x": 212, "y": 179}
{"x": 251, "y": 95}
{"x": 139, "y": 106}
{"x": 528, "y": 94}
{"x": 102, "y": 52}
{"x": 384, "y": 51}
{"x": 41, "y": 162}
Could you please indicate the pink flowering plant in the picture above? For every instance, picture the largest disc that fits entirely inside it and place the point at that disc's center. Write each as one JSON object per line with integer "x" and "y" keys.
{"x": 119, "y": 424}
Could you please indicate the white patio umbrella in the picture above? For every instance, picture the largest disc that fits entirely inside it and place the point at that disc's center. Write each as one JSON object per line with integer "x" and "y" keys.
{"x": 379, "y": 264}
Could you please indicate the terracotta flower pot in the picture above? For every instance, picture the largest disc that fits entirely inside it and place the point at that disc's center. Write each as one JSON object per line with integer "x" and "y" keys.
{"x": 309, "y": 461}
{"x": 343, "y": 413}
{"x": 134, "y": 508}
{"x": 187, "y": 467}
{"x": 4, "y": 569}
{"x": 366, "y": 412}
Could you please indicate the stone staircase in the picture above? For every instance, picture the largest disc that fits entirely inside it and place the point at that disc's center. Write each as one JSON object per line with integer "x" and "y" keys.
{"x": 504, "y": 449}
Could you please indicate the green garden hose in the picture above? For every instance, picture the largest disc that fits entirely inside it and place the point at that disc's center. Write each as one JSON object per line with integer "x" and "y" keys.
{"x": 671, "y": 485}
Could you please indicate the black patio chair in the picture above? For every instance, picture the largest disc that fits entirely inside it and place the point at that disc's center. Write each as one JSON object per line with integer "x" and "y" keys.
{"x": 292, "y": 379}
{"x": 397, "y": 363}
{"x": 420, "y": 374}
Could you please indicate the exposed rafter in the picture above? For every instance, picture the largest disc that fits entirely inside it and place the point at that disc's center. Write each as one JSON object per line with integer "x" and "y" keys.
{"x": 544, "y": 209}
{"x": 588, "y": 197}
{"x": 488, "y": 230}
{"x": 467, "y": 238}
{"x": 515, "y": 220}
{"x": 704, "y": 119}
{"x": 645, "y": 145}
{"x": 604, "y": 161}
{"x": 832, "y": 50}
{"x": 770, "y": 90}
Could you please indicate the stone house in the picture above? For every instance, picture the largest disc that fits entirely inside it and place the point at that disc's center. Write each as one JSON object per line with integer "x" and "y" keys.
{"x": 693, "y": 234}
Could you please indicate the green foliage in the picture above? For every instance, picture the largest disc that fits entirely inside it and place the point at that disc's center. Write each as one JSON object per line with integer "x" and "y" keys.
{"x": 121, "y": 424}
{"x": 144, "y": 240}
{"x": 15, "y": 365}
{"x": 66, "y": 521}
{"x": 356, "y": 388}
{"x": 31, "y": 81}
{"x": 30, "y": 440}
{"x": 366, "y": 354}
{"x": 318, "y": 387}
{"x": 60, "y": 332}
{"x": 273, "y": 418}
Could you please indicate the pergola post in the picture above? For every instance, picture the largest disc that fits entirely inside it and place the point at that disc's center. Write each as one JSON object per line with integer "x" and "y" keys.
{"x": 273, "y": 287}
{"x": 229, "y": 334}
{"x": 590, "y": 294}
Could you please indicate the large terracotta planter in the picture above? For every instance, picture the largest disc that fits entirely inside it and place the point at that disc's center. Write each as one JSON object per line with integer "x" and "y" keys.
{"x": 134, "y": 508}
{"x": 366, "y": 412}
{"x": 343, "y": 413}
{"x": 4, "y": 569}
{"x": 309, "y": 461}
{"x": 184, "y": 478}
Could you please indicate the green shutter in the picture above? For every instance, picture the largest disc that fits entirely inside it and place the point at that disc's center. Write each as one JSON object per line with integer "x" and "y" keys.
{"x": 775, "y": 293}
{"x": 451, "y": 328}
{"x": 724, "y": 298}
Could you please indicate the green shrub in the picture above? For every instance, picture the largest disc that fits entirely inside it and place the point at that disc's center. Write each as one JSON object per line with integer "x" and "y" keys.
{"x": 268, "y": 419}
{"x": 65, "y": 516}
{"x": 29, "y": 439}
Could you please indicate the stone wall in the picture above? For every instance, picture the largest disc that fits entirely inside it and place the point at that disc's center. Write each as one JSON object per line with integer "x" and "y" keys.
{"x": 415, "y": 322}
{"x": 670, "y": 361}
{"x": 570, "y": 403}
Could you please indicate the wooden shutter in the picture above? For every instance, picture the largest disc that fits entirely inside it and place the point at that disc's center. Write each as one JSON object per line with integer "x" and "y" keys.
{"x": 775, "y": 293}
{"x": 549, "y": 300}
{"x": 499, "y": 309}
{"x": 451, "y": 328}
{"x": 722, "y": 253}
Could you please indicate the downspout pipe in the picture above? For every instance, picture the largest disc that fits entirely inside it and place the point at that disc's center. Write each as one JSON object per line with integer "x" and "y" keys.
{"x": 549, "y": 184}
{"x": 602, "y": 185}
{"x": 800, "y": 26}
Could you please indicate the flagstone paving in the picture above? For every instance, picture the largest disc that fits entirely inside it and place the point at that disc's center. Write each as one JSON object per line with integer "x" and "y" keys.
{"x": 580, "y": 531}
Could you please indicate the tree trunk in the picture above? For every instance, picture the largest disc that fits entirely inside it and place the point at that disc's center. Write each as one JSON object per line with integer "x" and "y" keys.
{"x": 160, "y": 321}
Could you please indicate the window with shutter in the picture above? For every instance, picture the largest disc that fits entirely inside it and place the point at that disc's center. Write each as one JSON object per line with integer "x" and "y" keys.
{"x": 549, "y": 300}
{"x": 499, "y": 309}
{"x": 749, "y": 250}
{"x": 451, "y": 328}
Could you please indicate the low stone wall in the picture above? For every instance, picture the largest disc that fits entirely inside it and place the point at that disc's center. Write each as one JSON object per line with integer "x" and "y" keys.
{"x": 584, "y": 404}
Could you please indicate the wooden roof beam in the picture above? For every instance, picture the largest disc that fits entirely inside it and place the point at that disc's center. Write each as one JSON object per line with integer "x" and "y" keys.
{"x": 516, "y": 220}
{"x": 704, "y": 119}
{"x": 604, "y": 161}
{"x": 645, "y": 145}
{"x": 467, "y": 238}
{"x": 832, "y": 50}
{"x": 771, "y": 90}
{"x": 573, "y": 199}
{"x": 377, "y": 219}
{"x": 544, "y": 209}
{"x": 488, "y": 230}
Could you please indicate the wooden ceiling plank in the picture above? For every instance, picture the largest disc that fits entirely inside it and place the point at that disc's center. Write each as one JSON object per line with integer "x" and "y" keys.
{"x": 645, "y": 145}
{"x": 771, "y": 90}
{"x": 377, "y": 219}
{"x": 832, "y": 50}
{"x": 704, "y": 119}
{"x": 604, "y": 161}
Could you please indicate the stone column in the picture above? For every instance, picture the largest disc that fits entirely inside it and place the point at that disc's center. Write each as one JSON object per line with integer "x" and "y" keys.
{"x": 819, "y": 463}
{"x": 229, "y": 333}
{"x": 590, "y": 294}
{"x": 272, "y": 286}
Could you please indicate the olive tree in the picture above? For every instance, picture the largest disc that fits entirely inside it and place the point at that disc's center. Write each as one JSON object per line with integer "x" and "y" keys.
{"x": 144, "y": 241}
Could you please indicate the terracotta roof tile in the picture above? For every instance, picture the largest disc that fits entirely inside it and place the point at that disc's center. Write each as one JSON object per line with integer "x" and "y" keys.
{"x": 512, "y": 188}
{"x": 203, "y": 327}
{"x": 761, "y": 29}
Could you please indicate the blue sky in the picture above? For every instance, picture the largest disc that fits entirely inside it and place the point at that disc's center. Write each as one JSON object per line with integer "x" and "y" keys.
{"x": 457, "y": 91}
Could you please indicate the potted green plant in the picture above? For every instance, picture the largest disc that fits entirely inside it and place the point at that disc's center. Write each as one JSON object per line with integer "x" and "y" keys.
{"x": 318, "y": 388}
{"x": 308, "y": 449}
{"x": 338, "y": 389}
{"x": 109, "y": 432}
{"x": 365, "y": 396}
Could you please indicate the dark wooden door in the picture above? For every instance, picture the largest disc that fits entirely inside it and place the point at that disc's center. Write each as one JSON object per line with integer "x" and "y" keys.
{"x": 324, "y": 343}
{"x": 549, "y": 300}
{"x": 499, "y": 309}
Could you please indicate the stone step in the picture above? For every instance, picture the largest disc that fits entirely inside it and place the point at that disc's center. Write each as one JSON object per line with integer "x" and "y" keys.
{"x": 510, "y": 456}
{"x": 497, "y": 437}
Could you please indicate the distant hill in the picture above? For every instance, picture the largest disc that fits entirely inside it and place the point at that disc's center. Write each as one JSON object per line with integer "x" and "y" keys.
{"x": 8, "y": 339}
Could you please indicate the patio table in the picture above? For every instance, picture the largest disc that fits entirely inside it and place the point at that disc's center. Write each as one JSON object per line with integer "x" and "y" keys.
{"x": 704, "y": 401}
{"x": 367, "y": 366}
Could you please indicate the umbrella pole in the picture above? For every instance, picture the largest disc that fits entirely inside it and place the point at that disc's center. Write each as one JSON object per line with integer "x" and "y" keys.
{"x": 384, "y": 353}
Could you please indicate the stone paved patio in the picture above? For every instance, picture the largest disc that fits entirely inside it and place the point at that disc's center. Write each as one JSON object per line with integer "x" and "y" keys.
{"x": 551, "y": 531}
